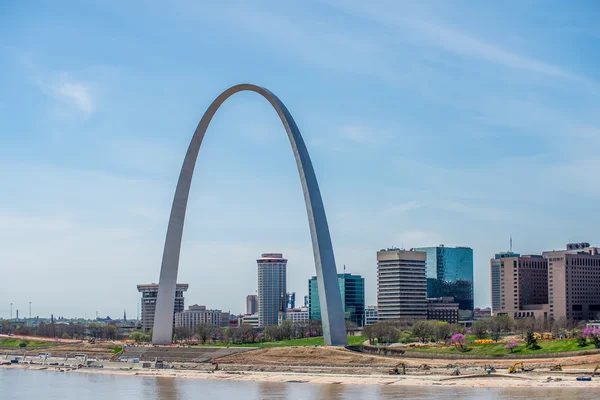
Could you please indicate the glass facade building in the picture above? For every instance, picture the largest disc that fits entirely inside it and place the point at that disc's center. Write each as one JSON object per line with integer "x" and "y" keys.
{"x": 272, "y": 281}
{"x": 450, "y": 274}
{"x": 352, "y": 289}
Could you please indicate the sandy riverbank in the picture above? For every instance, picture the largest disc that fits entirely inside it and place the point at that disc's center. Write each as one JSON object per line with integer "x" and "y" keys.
{"x": 473, "y": 380}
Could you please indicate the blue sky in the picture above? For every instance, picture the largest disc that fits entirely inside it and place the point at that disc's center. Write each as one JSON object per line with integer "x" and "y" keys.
{"x": 427, "y": 122}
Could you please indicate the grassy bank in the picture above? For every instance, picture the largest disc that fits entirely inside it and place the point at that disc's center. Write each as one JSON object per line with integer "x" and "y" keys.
{"x": 352, "y": 341}
{"x": 546, "y": 346}
{"x": 16, "y": 343}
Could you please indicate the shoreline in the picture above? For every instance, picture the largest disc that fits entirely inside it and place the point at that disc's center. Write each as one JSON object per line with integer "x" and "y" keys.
{"x": 497, "y": 380}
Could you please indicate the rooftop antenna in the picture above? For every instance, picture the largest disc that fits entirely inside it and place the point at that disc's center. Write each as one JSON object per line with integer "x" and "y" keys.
{"x": 511, "y": 243}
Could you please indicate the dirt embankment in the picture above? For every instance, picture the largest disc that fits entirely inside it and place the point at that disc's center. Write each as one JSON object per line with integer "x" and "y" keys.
{"x": 339, "y": 357}
{"x": 101, "y": 351}
{"x": 331, "y": 356}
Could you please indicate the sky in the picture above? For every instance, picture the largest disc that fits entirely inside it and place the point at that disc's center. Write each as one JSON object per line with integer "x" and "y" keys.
{"x": 458, "y": 123}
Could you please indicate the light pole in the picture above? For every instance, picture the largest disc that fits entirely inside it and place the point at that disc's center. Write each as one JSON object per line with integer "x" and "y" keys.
{"x": 11, "y": 311}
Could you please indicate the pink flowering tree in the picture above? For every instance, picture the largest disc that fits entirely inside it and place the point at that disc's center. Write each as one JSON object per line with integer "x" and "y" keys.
{"x": 593, "y": 335}
{"x": 510, "y": 346}
{"x": 459, "y": 341}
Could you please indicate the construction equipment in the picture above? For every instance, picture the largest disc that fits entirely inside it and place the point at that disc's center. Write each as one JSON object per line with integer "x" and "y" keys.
{"x": 557, "y": 367}
{"x": 396, "y": 370}
{"x": 513, "y": 369}
{"x": 424, "y": 367}
{"x": 596, "y": 370}
{"x": 456, "y": 372}
{"x": 92, "y": 340}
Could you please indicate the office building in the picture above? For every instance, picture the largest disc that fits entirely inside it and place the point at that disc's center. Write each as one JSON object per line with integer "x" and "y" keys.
{"x": 443, "y": 309}
{"x": 481, "y": 313}
{"x": 401, "y": 284}
{"x": 148, "y": 303}
{"x": 450, "y": 274}
{"x": 495, "y": 277}
{"x": 290, "y": 301}
{"x": 306, "y": 302}
{"x": 574, "y": 282}
{"x": 251, "y": 304}
{"x": 519, "y": 286}
{"x": 352, "y": 290}
{"x": 196, "y": 315}
{"x": 371, "y": 315}
{"x": 272, "y": 299}
{"x": 251, "y": 320}
{"x": 297, "y": 315}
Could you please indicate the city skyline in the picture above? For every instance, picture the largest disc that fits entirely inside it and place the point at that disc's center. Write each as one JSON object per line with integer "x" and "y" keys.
{"x": 427, "y": 124}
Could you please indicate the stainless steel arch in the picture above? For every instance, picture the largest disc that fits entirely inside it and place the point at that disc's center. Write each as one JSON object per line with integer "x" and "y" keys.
{"x": 332, "y": 314}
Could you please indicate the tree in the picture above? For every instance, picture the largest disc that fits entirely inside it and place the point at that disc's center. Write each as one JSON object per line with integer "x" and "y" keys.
{"x": 110, "y": 331}
{"x": 573, "y": 326}
{"x": 23, "y": 343}
{"x": 459, "y": 341}
{"x": 593, "y": 334}
{"x": 423, "y": 330}
{"x": 287, "y": 329}
{"x": 65, "y": 335}
{"x": 559, "y": 327}
{"x": 498, "y": 325}
{"x": 524, "y": 325}
{"x": 351, "y": 327}
{"x": 511, "y": 345}
{"x": 442, "y": 330}
{"x": 406, "y": 336}
{"x": 480, "y": 328}
{"x": 531, "y": 341}
{"x": 315, "y": 328}
{"x": 245, "y": 332}
{"x": 273, "y": 333}
{"x": 204, "y": 331}
{"x": 369, "y": 332}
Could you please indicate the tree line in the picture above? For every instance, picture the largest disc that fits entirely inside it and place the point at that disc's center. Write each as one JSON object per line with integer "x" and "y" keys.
{"x": 73, "y": 330}
{"x": 409, "y": 331}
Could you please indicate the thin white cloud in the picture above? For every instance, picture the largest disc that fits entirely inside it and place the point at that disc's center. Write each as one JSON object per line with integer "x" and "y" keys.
{"x": 76, "y": 95}
{"x": 412, "y": 24}
{"x": 463, "y": 44}
{"x": 402, "y": 208}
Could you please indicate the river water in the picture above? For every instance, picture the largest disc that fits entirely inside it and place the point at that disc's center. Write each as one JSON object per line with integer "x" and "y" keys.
{"x": 18, "y": 384}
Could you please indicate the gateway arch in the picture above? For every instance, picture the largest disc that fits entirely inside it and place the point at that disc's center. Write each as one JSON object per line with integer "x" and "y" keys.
{"x": 334, "y": 329}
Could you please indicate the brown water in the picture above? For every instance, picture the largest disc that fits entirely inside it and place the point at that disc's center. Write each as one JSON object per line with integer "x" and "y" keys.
{"x": 17, "y": 384}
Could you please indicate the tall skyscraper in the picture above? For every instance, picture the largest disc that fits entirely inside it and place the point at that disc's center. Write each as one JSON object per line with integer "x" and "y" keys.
{"x": 251, "y": 304}
{"x": 450, "y": 274}
{"x": 148, "y": 304}
{"x": 401, "y": 284}
{"x": 352, "y": 290}
{"x": 272, "y": 275}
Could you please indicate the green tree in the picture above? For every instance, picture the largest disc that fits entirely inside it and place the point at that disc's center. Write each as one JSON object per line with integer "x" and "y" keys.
{"x": 442, "y": 330}
{"x": 24, "y": 343}
{"x": 531, "y": 341}
{"x": 423, "y": 330}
